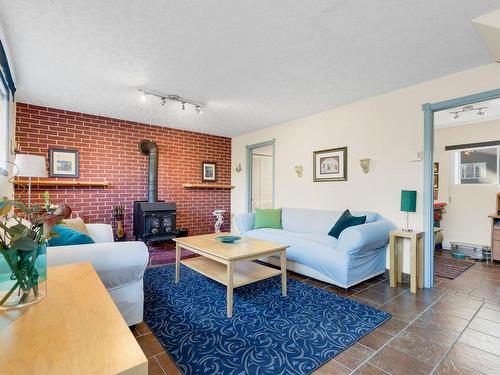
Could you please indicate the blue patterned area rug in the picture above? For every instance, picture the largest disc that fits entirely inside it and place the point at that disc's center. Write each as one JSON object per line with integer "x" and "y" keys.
{"x": 268, "y": 334}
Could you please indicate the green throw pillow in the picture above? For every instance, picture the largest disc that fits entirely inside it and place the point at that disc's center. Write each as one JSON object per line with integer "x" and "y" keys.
{"x": 345, "y": 221}
{"x": 66, "y": 236}
{"x": 268, "y": 218}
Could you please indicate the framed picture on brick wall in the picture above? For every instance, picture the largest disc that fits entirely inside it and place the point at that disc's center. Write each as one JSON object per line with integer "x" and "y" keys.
{"x": 64, "y": 163}
{"x": 208, "y": 171}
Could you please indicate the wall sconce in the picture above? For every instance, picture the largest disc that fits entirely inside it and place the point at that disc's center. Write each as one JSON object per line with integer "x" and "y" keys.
{"x": 14, "y": 147}
{"x": 238, "y": 168}
{"x": 365, "y": 165}
{"x": 298, "y": 170}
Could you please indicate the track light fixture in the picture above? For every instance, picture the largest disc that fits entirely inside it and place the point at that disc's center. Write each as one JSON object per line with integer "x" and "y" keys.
{"x": 481, "y": 111}
{"x": 172, "y": 97}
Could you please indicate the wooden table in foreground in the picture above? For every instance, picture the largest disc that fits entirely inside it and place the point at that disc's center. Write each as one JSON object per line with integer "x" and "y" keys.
{"x": 75, "y": 329}
{"x": 230, "y": 264}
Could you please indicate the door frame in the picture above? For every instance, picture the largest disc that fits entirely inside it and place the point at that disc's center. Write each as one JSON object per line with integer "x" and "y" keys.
{"x": 429, "y": 109}
{"x": 250, "y": 149}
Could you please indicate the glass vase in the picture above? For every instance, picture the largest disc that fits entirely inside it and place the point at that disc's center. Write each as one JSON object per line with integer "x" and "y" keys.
{"x": 23, "y": 277}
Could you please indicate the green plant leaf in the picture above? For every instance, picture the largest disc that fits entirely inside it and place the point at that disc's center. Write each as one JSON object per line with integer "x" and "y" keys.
{"x": 36, "y": 208}
{"x": 21, "y": 206}
{"x": 18, "y": 230}
{"x": 24, "y": 244}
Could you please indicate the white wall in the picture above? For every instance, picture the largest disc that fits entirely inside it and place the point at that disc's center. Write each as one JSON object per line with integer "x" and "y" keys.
{"x": 466, "y": 218}
{"x": 387, "y": 129}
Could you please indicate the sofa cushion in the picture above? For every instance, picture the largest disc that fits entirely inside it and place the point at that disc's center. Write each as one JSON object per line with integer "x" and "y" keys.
{"x": 116, "y": 263}
{"x": 268, "y": 218}
{"x": 370, "y": 216}
{"x": 287, "y": 238}
{"x": 76, "y": 224}
{"x": 321, "y": 238}
{"x": 65, "y": 236}
{"x": 345, "y": 221}
{"x": 306, "y": 251}
{"x": 304, "y": 220}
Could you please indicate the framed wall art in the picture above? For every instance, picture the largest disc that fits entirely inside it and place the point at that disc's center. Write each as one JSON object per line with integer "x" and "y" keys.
{"x": 330, "y": 165}
{"x": 208, "y": 171}
{"x": 64, "y": 163}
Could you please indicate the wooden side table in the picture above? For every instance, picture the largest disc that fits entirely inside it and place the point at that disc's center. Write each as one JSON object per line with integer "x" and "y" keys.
{"x": 416, "y": 254}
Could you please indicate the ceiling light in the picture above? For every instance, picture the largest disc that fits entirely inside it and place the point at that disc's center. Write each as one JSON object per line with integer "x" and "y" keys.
{"x": 480, "y": 111}
{"x": 176, "y": 98}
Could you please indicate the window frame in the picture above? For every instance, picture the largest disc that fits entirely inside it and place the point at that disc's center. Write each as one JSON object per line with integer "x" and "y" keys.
{"x": 457, "y": 166}
{"x": 9, "y": 87}
{"x": 5, "y": 126}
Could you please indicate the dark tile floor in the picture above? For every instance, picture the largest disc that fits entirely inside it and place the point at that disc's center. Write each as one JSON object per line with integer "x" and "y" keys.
{"x": 451, "y": 329}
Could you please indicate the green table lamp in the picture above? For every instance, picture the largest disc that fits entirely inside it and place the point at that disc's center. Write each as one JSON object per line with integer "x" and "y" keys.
{"x": 408, "y": 204}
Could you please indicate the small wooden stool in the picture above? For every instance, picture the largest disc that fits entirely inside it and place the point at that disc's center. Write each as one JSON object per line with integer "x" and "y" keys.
{"x": 416, "y": 254}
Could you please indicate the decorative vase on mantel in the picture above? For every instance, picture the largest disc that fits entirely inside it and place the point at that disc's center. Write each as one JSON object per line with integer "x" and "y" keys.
{"x": 24, "y": 232}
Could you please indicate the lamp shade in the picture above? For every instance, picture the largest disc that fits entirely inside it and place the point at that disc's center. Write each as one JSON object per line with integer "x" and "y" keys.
{"x": 30, "y": 165}
{"x": 408, "y": 200}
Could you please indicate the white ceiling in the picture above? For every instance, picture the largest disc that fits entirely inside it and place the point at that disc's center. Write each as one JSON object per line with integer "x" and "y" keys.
{"x": 254, "y": 63}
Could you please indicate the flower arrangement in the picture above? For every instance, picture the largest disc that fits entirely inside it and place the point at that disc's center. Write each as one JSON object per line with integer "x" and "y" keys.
{"x": 23, "y": 234}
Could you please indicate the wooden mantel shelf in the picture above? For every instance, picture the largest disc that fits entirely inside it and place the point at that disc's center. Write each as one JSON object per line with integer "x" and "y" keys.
{"x": 98, "y": 184}
{"x": 207, "y": 186}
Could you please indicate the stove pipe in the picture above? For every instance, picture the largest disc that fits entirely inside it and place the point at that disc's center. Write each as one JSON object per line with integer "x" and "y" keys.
{"x": 150, "y": 149}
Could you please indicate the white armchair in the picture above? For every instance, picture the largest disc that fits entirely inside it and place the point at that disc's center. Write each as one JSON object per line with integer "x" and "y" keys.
{"x": 120, "y": 265}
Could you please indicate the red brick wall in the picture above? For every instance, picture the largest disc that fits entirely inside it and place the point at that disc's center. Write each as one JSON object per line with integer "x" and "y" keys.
{"x": 109, "y": 152}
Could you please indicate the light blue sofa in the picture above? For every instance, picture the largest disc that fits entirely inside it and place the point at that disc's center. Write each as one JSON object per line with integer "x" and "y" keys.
{"x": 357, "y": 255}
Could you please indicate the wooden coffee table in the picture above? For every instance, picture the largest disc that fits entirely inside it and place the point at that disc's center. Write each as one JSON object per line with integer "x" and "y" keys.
{"x": 230, "y": 264}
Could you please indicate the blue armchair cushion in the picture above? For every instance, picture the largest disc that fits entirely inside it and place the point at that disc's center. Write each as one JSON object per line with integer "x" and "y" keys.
{"x": 345, "y": 221}
{"x": 67, "y": 236}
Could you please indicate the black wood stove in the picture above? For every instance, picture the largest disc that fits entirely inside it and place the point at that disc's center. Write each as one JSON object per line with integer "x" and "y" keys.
{"x": 153, "y": 220}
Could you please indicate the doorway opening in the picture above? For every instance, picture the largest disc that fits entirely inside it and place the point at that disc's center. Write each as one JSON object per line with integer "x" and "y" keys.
{"x": 260, "y": 175}
{"x": 466, "y": 183}
{"x": 453, "y": 166}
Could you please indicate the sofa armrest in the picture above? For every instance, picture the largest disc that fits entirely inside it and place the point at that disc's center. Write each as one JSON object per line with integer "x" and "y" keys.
{"x": 368, "y": 236}
{"x": 245, "y": 222}
{"x": 100, "y": 232}
{"x": 117, "y": 263}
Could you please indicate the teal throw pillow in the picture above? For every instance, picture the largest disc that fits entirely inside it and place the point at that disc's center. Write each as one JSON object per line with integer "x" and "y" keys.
{"x": 345, "y": 221}
{"x": 66, "y": 236}
{"x": 268, "y": 218}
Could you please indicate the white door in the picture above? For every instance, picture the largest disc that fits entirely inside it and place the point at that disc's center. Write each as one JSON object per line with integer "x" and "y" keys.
{"x": 262, "y": 177}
